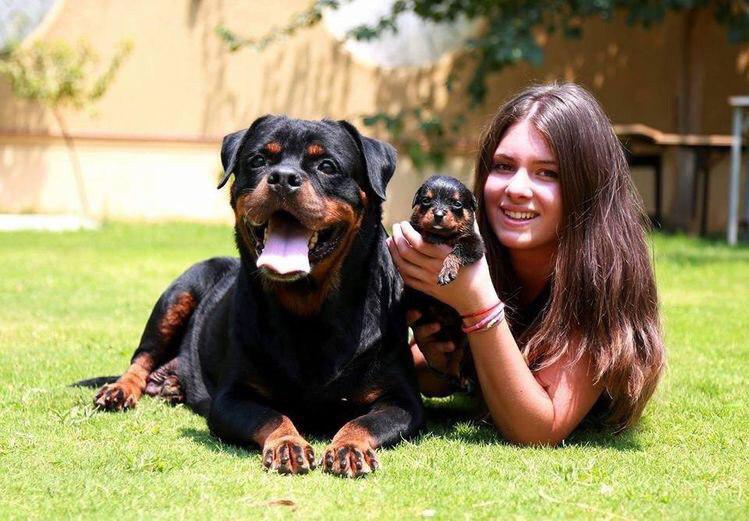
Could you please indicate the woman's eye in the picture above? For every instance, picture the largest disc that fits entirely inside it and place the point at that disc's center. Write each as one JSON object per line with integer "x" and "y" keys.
{"x": 257, "y": 162}
{"x": 425, "y": 201}
{"x": 549, "y": 174}
{"x": 327, "y": 167}
{"x": 503, "y": 167}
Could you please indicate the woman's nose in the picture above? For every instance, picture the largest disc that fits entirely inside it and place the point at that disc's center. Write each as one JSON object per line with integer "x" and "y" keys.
{"x": 519, "y": 186}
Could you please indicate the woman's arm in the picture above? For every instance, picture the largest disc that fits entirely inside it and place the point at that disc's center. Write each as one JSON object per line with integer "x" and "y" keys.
{"x": 526, "y": 409}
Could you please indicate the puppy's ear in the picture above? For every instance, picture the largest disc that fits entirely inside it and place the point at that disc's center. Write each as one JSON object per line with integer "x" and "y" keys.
{"x": 231, "y": 147}
{"x": 417, "y": 196}
{"x": 474, "y": 203}
{"x": 379, "y": 158}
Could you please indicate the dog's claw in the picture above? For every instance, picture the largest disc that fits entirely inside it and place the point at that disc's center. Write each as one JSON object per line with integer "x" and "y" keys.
{"x": 112, "y": 397}
{"x": 285, "y": 455}
{"x": 446, "y": 277}
{"x": 352, "y": 461}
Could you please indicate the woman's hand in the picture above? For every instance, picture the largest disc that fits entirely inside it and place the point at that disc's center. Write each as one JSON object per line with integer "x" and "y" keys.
{"x": 437, "y": 353}
{"x": 420, "y": 262}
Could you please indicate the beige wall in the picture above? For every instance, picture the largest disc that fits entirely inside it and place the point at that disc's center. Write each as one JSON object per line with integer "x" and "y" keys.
{"x": 181, "y": 90}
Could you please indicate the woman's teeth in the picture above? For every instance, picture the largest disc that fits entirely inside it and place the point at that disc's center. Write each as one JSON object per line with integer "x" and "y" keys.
{"x": 523, "y": 216}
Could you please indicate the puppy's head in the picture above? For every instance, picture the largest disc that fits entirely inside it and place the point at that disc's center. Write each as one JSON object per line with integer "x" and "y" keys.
{"x": 443, "y": 209}
{"x": 300, "y": 192}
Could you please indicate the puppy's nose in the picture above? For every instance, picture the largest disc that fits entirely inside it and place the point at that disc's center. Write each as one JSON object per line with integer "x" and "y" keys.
{"x": 284, "y": 181}
{"x": 439, "y": 214}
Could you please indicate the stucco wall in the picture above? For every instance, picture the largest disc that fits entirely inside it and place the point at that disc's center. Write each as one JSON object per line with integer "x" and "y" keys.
{"x": 181, "y": 85}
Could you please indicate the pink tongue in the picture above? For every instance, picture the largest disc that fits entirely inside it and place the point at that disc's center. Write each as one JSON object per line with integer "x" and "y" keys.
{"x": 285, "y": 250}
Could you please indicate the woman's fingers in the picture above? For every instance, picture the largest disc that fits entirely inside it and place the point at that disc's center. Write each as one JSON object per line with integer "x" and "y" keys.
{"x": 411, "y": 253}
{"x": 417, "y": 242}
{"x": 410, "y": 272}
{"x": 412, "y": 315}
{"x": 443, "y": 347}
{"x": 426, "y": 330}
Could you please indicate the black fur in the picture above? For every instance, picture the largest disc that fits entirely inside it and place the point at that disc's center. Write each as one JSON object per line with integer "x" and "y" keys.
{"x": 448, "y": 203}
{"x": 246, "y": 356}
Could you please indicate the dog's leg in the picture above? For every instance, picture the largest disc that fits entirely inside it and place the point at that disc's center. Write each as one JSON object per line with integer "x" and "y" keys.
{"x": 352, "y": 452}
{"x": 238, "y": 420}
{"x": 158, "y": 345}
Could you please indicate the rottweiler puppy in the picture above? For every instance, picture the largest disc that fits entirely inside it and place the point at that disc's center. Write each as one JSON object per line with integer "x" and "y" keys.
{"x": 444, "y": 213}
{"x": 306, "y": 330}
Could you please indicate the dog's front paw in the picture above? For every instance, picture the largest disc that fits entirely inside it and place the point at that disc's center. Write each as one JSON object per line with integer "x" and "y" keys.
{"x": 119, "y": 396}
{"x": 289, "y": 455}
{"x": 349, "y": 460}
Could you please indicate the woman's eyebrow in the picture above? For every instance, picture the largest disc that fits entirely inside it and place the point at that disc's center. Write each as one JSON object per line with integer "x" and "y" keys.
{"x": 502, "y": 156}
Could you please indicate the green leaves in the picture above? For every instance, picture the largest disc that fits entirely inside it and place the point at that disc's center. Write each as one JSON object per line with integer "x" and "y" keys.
{"x": 57, "y": 74}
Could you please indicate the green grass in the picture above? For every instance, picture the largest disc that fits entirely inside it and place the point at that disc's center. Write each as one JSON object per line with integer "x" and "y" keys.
{"x": 73, "y": 305}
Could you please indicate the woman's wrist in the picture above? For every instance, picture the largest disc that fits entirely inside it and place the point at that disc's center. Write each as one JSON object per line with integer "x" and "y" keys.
{"x": 479, "y": 292}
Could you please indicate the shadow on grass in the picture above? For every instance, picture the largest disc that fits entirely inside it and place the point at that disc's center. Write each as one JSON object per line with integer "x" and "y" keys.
{"x": 457, "y": 418}
{"x": 460, "y": 418}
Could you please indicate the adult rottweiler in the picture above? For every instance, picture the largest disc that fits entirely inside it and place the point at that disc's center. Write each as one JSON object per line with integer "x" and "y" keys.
{"x": 307, "y": 328}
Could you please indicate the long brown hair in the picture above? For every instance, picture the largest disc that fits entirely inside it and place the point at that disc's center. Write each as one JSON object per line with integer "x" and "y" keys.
{"x": 603, "y": 300}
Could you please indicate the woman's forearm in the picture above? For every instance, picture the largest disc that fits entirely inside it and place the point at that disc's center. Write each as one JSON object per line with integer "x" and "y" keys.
{"x": 520, "y": 408}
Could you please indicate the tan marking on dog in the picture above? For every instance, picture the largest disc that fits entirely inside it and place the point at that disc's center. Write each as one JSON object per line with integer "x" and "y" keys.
{"x": 274, "y": 429}
{"x": 368, "y": 396}
{"x": 354, "y": 434}
{"x": 315, "y": 150}
{"x": 176, "y": 315}
{"x": 274, "y": 147}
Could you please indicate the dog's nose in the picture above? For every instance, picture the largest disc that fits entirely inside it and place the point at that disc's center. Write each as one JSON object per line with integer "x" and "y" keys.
{"x": 439, "y": 214}
{"x": 284, "y": 181}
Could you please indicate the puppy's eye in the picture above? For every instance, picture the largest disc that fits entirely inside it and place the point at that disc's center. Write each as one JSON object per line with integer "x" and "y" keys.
{"x": 258, "y": 161}
{"x": 327, "y": 166}
{"x": 426, "y": 201}
{"x": 457, "y": 205}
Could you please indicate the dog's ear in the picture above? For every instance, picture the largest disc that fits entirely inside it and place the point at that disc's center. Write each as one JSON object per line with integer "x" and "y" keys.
{"x": 231, "y": 147}
{"x": 474, "y": 202}
{"x": 379, "y": 157}
{"x": 417, "y": 196}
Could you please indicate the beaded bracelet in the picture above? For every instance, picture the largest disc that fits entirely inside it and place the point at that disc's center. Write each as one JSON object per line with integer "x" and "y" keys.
{"x": 488, "y": 322}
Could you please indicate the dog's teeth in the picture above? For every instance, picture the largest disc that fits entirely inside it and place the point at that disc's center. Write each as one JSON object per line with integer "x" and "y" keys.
{"x": 312, "y": 241}
{"x": 265, "y": 235}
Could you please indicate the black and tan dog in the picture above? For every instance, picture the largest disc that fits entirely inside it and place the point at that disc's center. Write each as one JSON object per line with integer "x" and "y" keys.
{"x": 308, "y": 327}
{"x": 444, "y": 213}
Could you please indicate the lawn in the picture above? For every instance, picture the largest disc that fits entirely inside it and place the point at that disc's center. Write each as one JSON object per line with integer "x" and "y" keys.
{"x": 73, "y": 305}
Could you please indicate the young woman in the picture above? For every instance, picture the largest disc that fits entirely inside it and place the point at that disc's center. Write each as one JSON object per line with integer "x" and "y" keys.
{"x": 567, "y": 265}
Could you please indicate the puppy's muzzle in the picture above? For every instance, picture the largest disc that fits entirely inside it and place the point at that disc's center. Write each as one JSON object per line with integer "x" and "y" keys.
{"x": 284, "y": 181}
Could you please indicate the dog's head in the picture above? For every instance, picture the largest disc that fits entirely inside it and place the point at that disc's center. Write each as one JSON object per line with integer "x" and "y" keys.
{"x": 300, "y": 192}
{"x": 443, "y": 209}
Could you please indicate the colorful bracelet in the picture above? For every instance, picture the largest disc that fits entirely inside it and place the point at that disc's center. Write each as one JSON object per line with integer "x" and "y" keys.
{"x": 483, "y": 311}
{"x": 488, "y": 322}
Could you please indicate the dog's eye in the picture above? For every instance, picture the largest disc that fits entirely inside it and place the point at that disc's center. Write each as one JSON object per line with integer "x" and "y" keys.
{"x": 257, "y": 161}
{"x": 327, "y": 167}
{"x": 457, "y": 205}
{"x": 425, "y": 201}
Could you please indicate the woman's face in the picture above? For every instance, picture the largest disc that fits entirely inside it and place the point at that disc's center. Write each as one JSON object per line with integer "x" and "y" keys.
{"x": 522, "y": 196}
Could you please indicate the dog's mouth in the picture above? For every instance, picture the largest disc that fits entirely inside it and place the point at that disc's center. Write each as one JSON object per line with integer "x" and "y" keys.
{"x": 287, "y": 250}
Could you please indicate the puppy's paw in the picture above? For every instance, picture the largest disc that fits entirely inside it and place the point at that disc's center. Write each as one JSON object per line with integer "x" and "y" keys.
{"x": 119, "y": 396}
{"x": 288, "y": 455}
{"x": 446, "y": 276}
{"x": 449, "y": 270}
{"x": 349, "y": 460}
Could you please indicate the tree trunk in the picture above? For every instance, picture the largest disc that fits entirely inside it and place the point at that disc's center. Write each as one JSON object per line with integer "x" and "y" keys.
{"x": 75, "y": 163}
